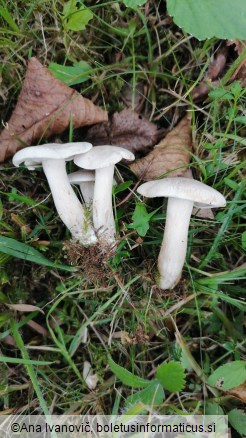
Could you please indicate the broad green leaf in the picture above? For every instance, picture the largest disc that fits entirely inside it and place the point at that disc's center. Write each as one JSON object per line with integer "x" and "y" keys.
{"x": 204, "y": 19}
{"x": 152, "y": 395}
{"x": 171, "y": 375}
{"x": 237, "y": 419}
{"x": 79, "y": 19}
{"x": 213, "y": 409}
{"x": 71, "y": 75}
{"x": 228, "y": 376}
{"x": 26, "y": 252}
{"x": 69, "y": 8}
{"x": 221, "y": 94}
{"x": 141, "y": 219}
{"x": 133, "y": 3}
{"x": 126, "y": 376}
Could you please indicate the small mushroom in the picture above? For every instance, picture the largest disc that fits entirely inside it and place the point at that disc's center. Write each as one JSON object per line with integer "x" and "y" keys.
{"x": 89, "y": 378}
{"x": 86, "y": 180}
{"x": 183, "y": 194}
{"x": 102, "y": 159}
{"x": 53, "y": 158}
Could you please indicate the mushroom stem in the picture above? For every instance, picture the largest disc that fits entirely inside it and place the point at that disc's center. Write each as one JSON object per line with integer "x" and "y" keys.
{"x": 173, "y": 249}
{"x": 103, "y": 217}
{"x": 67, "y": 204}
{"x": 87, "y": 190}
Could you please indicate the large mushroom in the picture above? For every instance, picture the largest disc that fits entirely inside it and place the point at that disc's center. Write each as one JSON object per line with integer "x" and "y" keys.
{"x": 102, "y": 159}
{"x": 53, "y": 158}
{"x": 183, "y": 194}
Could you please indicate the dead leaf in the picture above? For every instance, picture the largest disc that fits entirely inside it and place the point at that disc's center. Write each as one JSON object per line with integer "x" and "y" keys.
{"x": 126, "y": 129}
{"x": 171, "y": 155}
{"x": 24, "y": 308}
{"x": 9, "y": 340}
{"x": 38, "y": 328}
{"x": 240, "y": 72}
{"x": 215, "y": 69}
{"x": 44, "y": 108}
{"x": 134, "y": 98}
{"x": 238, "y": 392}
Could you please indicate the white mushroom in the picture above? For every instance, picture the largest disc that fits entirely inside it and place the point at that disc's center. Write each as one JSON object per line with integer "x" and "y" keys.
{"x": 53, "y": 158}
{"x": 183, "y": 194}
{"x": 89, "y": 378}
{"x": 103, "y": 159}
{"x": 86, "y": 180}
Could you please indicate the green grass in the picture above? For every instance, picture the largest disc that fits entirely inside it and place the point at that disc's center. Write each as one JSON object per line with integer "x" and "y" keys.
{"x": 200, "y": 322}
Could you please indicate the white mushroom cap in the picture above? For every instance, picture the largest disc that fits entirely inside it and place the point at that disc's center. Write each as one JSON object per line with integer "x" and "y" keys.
{"x": 202, "y": 195}
{"x": 81, "y": 176}
{"x": 53, "y": 159}
{"x": 34, "y": 155}
{"x": 103, "y": 156}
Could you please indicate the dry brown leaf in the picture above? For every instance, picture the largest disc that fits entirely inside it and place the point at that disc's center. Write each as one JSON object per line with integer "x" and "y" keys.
{"x": 126, "y": 129}
{"x": 171, "y": 155}
{"x": 24, "y": 308}
{"x": 214, "y": 71}
{"x": 38, "y": 328}
{"x": 45, "y": 107}
{"x": 240, "y": 72}
{"x": 238, "y": 392}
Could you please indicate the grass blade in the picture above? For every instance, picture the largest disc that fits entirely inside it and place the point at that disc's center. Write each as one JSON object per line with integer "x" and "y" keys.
{"x": 25, "y": 252}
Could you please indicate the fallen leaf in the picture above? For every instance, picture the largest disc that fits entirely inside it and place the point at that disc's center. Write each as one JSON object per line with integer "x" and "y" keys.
{"x": 240, "y": 72}
{"x": 126, "y": 129}
{"x": 45, "y": 107}
{"x": 38, "y": 328}
{"x": 171, "y": 155}
{"x": 133, "y": 98}
{"x": 215, "y": 69}
{"x": 238, "y": 392}
{"x": 9, "y": 340}
{"x": 24, "y": 308}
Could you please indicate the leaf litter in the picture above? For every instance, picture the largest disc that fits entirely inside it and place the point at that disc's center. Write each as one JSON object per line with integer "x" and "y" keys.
{"x": 215, "y": 69}
{"x": 171, "y": 155}
{"x": 45, "y": 107}
{"x": 127, "y": 129}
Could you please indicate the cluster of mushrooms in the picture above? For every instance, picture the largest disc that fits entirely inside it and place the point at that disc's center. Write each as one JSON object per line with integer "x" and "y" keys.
{"x": 96, "y": 181}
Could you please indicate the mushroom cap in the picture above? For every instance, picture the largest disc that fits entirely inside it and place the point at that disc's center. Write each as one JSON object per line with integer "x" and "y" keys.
{"x": 103, "y": 156}
{"x": 81, "y": 176}
{"x": 34, "y": 155}
{"x": 202, "y": 195}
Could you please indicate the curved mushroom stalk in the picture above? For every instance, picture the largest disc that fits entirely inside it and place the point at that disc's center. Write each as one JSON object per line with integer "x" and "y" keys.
{"x": 70, "y": 210}
{"x": 174, "y": 245}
